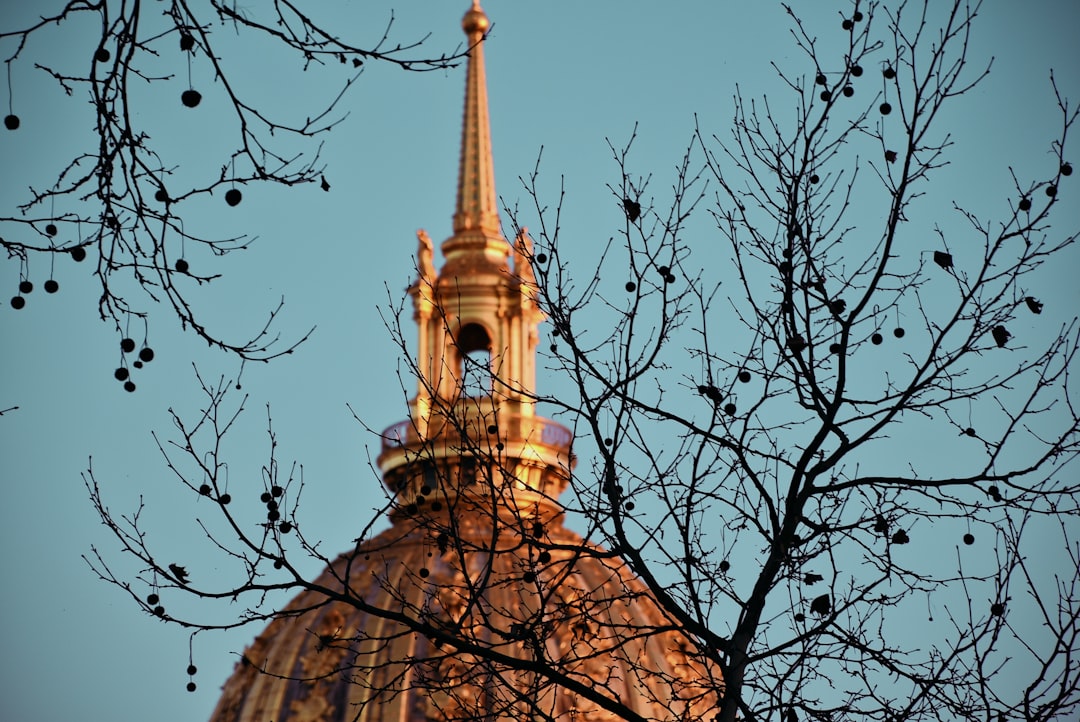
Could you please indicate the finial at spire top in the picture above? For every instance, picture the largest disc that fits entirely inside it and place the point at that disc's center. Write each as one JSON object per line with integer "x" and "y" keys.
{"x": 475, "y": 20}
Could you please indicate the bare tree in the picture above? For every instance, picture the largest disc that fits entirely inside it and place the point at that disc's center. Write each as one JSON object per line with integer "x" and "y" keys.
{"x": 795, "y": 465}
{"x": 794, "y": 500}
{"x": 121, "y": 202}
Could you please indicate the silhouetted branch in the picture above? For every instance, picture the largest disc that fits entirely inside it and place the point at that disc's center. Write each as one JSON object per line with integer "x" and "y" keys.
{"x": 792, "y": 453}
{"x": 122, "y": 203}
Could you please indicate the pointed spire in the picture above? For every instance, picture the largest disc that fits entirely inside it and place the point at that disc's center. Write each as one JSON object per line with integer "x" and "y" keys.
{"x": 478, "y": 313}
{"x": 476, "y": 206}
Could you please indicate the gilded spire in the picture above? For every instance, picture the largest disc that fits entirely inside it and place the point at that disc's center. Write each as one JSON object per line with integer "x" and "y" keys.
{"x": 476, "y": 206}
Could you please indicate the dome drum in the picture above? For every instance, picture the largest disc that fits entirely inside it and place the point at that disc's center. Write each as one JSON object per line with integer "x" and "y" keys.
{"x": 524, "y": 465}
{"x": 473, "y": 432}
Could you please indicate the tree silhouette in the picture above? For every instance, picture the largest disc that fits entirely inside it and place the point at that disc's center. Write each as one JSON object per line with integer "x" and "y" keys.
{"x": 801, "y": 454}
{"x": 121, "y": 202}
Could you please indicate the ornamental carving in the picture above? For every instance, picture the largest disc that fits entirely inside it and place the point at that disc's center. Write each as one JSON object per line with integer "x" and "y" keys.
{"x": 321, "y": 669}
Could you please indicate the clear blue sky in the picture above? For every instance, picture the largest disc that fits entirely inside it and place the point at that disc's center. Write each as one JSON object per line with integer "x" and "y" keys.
{"x": 561, "y": 74}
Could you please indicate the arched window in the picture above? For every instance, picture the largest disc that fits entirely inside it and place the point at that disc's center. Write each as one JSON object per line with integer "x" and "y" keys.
{"x": 474, "y": 352}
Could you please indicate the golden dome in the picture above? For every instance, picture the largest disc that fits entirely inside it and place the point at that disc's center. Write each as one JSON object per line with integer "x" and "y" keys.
{"x": 477, "y": 603}
{"x": 539, "y": 599}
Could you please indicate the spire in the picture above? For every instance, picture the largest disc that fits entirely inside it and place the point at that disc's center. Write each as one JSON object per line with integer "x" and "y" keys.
{"x": 477, "y": 319}
{"x": 476, "y": 206}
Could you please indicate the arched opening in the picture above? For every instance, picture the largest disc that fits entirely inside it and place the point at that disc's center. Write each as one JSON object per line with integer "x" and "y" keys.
{"x": 474, "y": 355}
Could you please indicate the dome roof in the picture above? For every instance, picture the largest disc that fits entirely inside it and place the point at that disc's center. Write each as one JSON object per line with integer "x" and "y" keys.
{"x": 519, "y": 596}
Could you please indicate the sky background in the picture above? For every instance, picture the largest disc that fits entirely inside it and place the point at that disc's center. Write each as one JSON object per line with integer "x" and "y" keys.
{"x": 562, "y": 75}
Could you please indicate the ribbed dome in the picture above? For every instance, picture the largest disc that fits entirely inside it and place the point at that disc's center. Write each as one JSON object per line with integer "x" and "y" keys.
{"x": 527, "y": 594}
